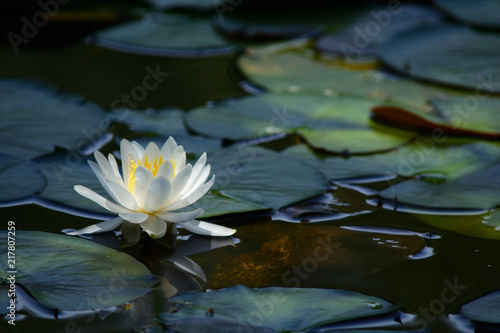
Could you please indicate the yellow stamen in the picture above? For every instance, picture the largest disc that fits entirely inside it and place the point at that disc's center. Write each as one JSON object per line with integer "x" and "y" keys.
{"x": 147, "y": 164}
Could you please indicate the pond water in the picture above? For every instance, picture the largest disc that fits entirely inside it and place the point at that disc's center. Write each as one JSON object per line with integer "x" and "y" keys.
{"x": 430, "y": 262}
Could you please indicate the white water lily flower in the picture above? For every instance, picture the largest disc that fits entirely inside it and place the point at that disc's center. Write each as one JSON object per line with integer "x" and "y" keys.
{"x": 156, "y": 183}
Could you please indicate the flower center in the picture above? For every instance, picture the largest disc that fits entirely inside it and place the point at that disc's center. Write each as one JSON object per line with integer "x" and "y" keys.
{"x": 153, "y": 167}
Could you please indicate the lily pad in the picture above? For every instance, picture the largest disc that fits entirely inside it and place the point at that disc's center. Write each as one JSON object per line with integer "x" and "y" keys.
{"x": 484, "y": 225}
{"x": 65, "y": 170}
{"x": 485, "y": 309}
{"x": 166, "y": 122}
{"x": 448, "y": 54}
{"x": 480, "y": 13}
{"x": 260, "y": 178}
{"x": 271, "y": 309}
{"x": 477, "y": 189}
{"x": 36, "y": 118}
{"x": 18, "y": 178}
{"x": 363, "y": 37}
{"x": 423, "y": 157}
{"x": 335, "y": 124}
{"x": 68, "y": 273}
{"x": 294, "y": 67}
{"x": 174, "y": 35}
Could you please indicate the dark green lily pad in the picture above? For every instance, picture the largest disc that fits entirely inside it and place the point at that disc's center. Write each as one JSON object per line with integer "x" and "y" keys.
{"x": 423, "y": 157}
{"x": 480, "y": 13}
{"x": 484, "y": 225}
{"x": 166, "y": 122}
{"x": 476, "y": 189}
{"x": 64, "y": 170}
{"x": 449, "y": 54}
{"x": 202, "y": 5}
{"x": 485, "y": 309}
{"x": 69, "y": 273}
{"x": 18, "y": 178}
{"x": 363, "y": 37}
{"x": 293, "y": 67}
{"x": 179, "y": 35}
{"x": 36, "y": 118}
{"x": 270, "y": 309}
{"x": 336, "y": 124}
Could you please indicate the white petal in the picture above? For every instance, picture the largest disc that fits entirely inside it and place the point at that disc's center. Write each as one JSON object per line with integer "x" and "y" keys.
{"x": 98, "y": 227}
{"x": 180, "y": 157}
{"x": 202, "y": 177}
{"x": 134, "y": 217}
{"x": 180, "y": 217}
{"x": 143, "y": 178}
{"x": 154, "y": 226}
{"x": 101, "y": 201}
{"x": 197, "y": 169}
{"x": 127, "y": 153}
{"x": 179, "y": 182}
{"x": 125, "y": 198}
{"x": 192, "y": 197}
{"x": 168, "y": 148}
{"x": 116, "y": 172}
{"x": 103, "y": 180}
{"x": 104, "y": 165}
{"x": 166, "y": 170}
{"x": 157, "y": 194}
{"x": 207, "y": 229}
{"x": 152, "y": 151}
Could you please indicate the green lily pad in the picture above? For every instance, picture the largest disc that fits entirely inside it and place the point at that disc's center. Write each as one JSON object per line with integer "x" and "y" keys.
{"x": 261, "y": 178}
{"x": 484, "y": 225}
{"x": 485, "y": 309}
{"x": 480, "y": 13}
{"x": 476, "y": 189}
{"x": 64, "y": 170}
{"x": 179, "y": 35}
{"x": 18, "y": 178}
{"x": 293, "y": 67}
{"x": 335, "y": 124}
{"x": 271, "y": 309}
{"x": 166, "y": 122}
{"x": 69, "y": 273}
{"x": 363, "y": 37}
{"x": 36, "y": 118}
{"x": 448, "y": 54}
{"x": 423, "y": 157}
{"x": 202, "y": 5}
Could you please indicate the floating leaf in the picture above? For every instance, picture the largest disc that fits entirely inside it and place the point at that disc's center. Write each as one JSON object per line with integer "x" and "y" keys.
{"x": 36, "y": 118}
{"x": 480, "y": 225}
{"x": 477, "y": 189}
{"x": 364, "y": 36}
{"x": 18, "y": 178}
{"x": 270, "y": 309}
{"x": 259, "y": 178}
{"x": 69, "y": 273}
{"x": 485, "y": 309}
{"x": 65, "y": 170}
{"x": 480, "y": 13}
{"x": 165, "y": 35}
{"x": 466, "y": 115}
{"x": 424, "y": 156}
{"x": 448, "y": 54}
{"x": 293, "y": 67}
{"x": 332, "y": 123}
